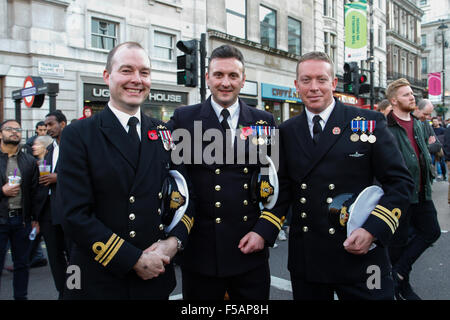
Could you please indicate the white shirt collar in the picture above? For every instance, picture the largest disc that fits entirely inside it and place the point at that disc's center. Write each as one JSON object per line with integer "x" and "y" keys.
{"x": 324, "y": 115}
{"x": 233, "y": 109}
{"x": 124, "y": 117}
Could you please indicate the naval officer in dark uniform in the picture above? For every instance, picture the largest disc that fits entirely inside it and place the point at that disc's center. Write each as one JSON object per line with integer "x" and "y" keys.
{"x": 111, "y": 171}
{"x": 325, "y": 156}
{"x": 228, "y": 245}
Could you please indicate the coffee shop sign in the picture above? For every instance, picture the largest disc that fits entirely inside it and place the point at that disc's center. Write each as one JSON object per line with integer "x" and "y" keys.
{"x": 159, "y": 96}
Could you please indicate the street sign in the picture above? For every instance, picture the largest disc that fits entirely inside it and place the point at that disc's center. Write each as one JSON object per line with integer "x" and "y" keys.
{"x": 30, "y": 93}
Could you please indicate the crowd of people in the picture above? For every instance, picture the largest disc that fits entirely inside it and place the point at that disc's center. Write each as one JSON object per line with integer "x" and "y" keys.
{"x": 92, "y": 189}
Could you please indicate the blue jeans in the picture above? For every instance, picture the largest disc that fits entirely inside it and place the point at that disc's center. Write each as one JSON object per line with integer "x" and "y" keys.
{"x": 16, "y": 231}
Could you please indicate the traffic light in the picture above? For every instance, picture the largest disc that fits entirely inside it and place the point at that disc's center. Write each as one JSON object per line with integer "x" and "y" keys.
{"x": 363, "y": 86}
{"x": 187, "y": 63}
{"x": 350, "y": 70}
{"x": 354, "y": 82}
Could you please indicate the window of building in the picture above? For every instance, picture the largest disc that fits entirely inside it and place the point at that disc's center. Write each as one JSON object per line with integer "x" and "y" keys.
{"x": 268, "y": 26}
{"x": 236, "y": 18}
{"x": 380, "y": 36}
{"x": 380, "y": 73}
{"x": 329, "y": 8}
{"x": 103, "y": 34}
{"x": 330, "y": 45}
{"x": 294, "y": 36}
{"x": 412, "y": 29}
{"x": 423, "y": 2}
{"x": 163, "y": 45}
{"x": 411, "y": 69}
{"x": 424, "y": 65}
{"x": 423, "y": 40}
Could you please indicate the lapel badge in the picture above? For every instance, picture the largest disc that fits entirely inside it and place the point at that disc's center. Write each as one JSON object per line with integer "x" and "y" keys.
{"x": 152, "y": 135}
{"x": 161, "y": 127}
{"x": 261, "y": 122}
{"x": 336, "y": 130}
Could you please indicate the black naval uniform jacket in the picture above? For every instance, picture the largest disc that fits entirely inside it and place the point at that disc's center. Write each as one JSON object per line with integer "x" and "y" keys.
{"x": 111, "y": 206}
{"x": 311, "y": 176}
{"x": 224, "y": 212}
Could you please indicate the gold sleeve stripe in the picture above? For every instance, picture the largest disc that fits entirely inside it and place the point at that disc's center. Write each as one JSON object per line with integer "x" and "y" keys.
{"x": 388, "y": 222}
{"x": 113, "y": 253}
{"x": 111, "y": 248}
{"x": 393, "y": 220}
{"x": 188, "y": 222}
{"x": 388, "y": 212}
{"x": 100, "y": 248}
{"x": 274, "y": 217}
{"x": 271, "y": 220}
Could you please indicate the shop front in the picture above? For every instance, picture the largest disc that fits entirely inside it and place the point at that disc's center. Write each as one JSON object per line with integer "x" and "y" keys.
{"x": 350, "y": 100}
{"x": 282, "y": 102}
{"x": 160, "y": 104}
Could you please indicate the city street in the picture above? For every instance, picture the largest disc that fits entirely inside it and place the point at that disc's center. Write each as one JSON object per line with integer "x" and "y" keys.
{"x": 430, "y": 276}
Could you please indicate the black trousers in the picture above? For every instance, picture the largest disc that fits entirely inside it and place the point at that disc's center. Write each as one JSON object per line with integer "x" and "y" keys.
{"x": 424, "y": 231}
{"x": 251, "y": 285}
{"x": 57, "y": 248}
{"x": 304, "y": 290}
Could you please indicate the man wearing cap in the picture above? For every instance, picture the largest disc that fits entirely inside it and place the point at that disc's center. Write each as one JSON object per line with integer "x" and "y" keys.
{"x": 422, "y": 215}
{"x": 328, "y": 150}
{"x": 111, "y": 171}
{"x": 228, "y": 245}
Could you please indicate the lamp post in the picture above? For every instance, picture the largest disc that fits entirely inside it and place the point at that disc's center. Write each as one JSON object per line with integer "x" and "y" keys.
{"x": 442, "y": 27}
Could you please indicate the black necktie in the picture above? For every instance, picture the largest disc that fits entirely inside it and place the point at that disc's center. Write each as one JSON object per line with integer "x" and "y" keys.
{"x": 225, "y": 114}
{"x": 317, "y": 129}
{"x": 132, "y": 132}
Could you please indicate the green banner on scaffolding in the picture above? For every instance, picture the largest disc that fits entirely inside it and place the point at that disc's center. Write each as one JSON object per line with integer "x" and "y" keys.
{"x": 356, "y": 31}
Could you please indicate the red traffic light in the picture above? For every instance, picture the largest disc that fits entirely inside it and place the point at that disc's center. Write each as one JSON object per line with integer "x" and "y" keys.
{"x": 362, "y": 78}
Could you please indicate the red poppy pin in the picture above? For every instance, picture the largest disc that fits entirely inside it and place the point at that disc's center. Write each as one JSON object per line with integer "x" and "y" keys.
{"x": 152, "y": 135}
{"x": 246, "y": 131}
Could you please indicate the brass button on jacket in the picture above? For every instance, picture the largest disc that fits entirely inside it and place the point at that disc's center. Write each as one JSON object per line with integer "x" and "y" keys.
{"x": 218, "y": 204}
{"x": 218, "y": 220}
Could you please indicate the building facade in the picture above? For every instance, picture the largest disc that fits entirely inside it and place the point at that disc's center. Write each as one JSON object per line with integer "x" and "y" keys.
{"x": 435, "y": 42}
{"x": 404, "y": 49}
{"x": 67, "y": 42}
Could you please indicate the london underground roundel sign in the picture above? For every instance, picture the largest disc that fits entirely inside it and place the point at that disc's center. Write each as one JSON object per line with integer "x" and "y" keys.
{"x": 31, "y": 98}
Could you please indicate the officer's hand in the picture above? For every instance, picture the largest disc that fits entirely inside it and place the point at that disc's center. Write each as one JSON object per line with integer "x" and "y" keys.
{"x": 359, "y": 241}
{"x": 251, "y": 242}
{"x": 48, "y": 179}
{"x": 166, "y": 247}
{"x": 150, "y": 265}
{"x": 11, "y": 191}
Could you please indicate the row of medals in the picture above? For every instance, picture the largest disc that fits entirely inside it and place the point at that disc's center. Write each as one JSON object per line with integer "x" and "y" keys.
{"x": 363, "y": 137}
{"x": 259, "y": 140}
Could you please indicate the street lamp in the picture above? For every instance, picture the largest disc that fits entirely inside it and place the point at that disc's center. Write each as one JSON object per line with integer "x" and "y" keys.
{"x": 442, "y": 27}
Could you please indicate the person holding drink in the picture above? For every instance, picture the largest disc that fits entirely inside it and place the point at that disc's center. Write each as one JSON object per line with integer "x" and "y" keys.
{"x": 19, "y": 203}
{"x": 39, "y": 151}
